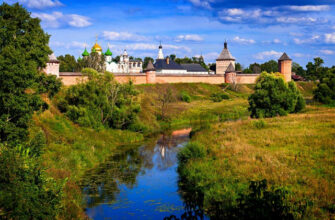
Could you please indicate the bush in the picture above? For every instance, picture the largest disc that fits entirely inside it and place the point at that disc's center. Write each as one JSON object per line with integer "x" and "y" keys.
{"x": 26, "y": 192}
{"x": 100, "y": 102}
{"x": 274, "y": 97}
{"x": 218, "y": 97}
{"x": 259, "y": 124}
{"x": 185, "y": 97}
{"x": 193, "y": 150}
{"x": 325, "y": 91}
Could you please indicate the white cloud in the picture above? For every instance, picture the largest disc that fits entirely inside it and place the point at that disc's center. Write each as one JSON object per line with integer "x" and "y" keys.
{"x": 330, "y": 38}
{"x": 39, "y": 4}
{"x": 202, "y": 3}
{"x": 211, "y": 57}
{"x": 292, "y": 20}
{"x": 267, "y": 54}
{"x": 243, "y": 40}
{"x": 238, "y": 15}
{"x": 313, "y": 39}
{"x": 276, "y": 41}
{"x": 299, "y": 55}
{"x": 327, "y": 52}
{"x": 58, "y": 19}
{"x": 69, "y": 45}
{"x": 189, "y": 37}
{"x": 123, "y": 36}
{"x": 310, "y": 7}
{"x": 146, "y": 46}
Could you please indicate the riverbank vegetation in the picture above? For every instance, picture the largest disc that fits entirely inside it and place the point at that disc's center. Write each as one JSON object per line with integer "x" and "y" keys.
{"x": 294, "y": 153}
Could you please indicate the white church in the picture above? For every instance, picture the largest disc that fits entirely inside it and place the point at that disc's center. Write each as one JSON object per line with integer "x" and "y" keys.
{"x": 125, "y": 65}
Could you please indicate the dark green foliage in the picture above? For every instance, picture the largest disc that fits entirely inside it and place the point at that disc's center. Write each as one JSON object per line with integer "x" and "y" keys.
{"x": 325, "y": 91}
{"x": 23, "y": 50}
{"x": 274, "y": 97}
{"x": 100, "y": 101}
{"x": 218, "y": 97}
{"x": 270, "y": 66}
{"x": 247, "y": 70}
{"x": 185, "y": 97}
{"x": 255, "y": 67}
{"x": 68, "y": 63}
{"x": 238, "y": 67}
{"x": 26, "y": 192}
{"x": 192, "y": 150}
{"x": 315, "y": 70}
{"x": 258, "y": 203}
{"x": 49, "y": 84}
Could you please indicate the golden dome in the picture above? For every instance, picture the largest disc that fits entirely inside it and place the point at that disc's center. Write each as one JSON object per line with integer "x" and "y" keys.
{"x": 97, "y": 47}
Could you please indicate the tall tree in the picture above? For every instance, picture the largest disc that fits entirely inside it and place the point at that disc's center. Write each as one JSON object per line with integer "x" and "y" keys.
{"x": 315, "y": 70}
{"x": 23, "y": 50}
{"x": 270, "y": 66}
{"x": 238, "y": 67}
{"x": 68, "y": 63}
{"x": 255, "y": 68}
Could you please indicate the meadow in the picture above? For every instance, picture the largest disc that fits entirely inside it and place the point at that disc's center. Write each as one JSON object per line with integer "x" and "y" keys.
{"x": 295, "y": 152}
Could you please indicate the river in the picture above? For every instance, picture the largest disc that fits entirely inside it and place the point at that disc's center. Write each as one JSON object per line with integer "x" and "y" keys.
{"x": 139, "y": 182}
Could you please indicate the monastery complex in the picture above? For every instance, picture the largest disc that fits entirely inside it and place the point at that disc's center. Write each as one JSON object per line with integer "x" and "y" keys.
{"x": 165, "y": 70}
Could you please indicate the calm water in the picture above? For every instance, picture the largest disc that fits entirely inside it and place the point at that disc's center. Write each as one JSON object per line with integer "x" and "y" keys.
{"x": 137, "y": 183}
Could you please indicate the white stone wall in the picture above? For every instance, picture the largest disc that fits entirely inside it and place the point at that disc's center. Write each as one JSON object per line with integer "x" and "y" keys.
{"x": 171, "y": 71}
{"x": 52, "y": 69}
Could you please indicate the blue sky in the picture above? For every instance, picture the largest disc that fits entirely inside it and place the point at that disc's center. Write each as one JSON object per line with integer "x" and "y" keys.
{"x": 256, "y": 31}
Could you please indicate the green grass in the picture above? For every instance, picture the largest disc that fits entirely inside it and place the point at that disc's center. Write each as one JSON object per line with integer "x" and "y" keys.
{"x": 295, "y": 152}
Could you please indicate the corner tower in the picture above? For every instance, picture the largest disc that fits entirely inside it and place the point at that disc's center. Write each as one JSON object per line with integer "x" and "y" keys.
{"x": 285, "y": 67}
{"x": 224, "y": 60}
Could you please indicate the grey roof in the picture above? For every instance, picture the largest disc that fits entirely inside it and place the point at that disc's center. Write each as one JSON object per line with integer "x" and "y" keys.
{"x": 52, "y": 58}
{"x": 150, "y": 66}
{"x": 230, "y": 68}
{"x": 225, "y": 54}
{"x": 193, "y": 67}
{"x": 284, "y": 57}
{"x": 162, "y": 64}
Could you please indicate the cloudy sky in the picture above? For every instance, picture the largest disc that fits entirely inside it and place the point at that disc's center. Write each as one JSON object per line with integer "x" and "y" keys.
{"x": 256, "y": 31}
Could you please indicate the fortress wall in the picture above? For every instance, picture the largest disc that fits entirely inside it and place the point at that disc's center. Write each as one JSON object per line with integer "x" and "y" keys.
{"x": 136, "y": 78}
{"x": 246, "y": 78}
{"x": 189, "y": 78}
{"x": 71, "y": 80}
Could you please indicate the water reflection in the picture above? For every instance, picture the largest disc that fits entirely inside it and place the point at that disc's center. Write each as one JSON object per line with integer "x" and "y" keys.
{"x": 138, "y": 182}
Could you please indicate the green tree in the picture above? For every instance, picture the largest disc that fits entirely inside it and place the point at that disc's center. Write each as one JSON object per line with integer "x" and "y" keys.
{"x": 255, "y": 68}
{"x": 274, "y": 97}
{"x": 238, "y": 67}
{"x": 325, "y": 91}
{"x": 100, "y": 102}
{"x": 146, "y": 61}
{"x": 270, "y": 66}
{"x": 23, "y": 50}
{"x": 173, "y": 56}
{"x": 315, "y": 70}
{"x": 298, "y": 70}
{"x": 68, "y": 63}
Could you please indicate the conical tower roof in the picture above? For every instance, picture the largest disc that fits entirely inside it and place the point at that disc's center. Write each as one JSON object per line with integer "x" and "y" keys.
{"x": 85, "y": 53}
{"x": 225, "y": 54}
{"x": 284, "y": 57}
{"x": 108, "y": 52}
{"x": 230, "y": 68}
{"x": 150, "y": 66}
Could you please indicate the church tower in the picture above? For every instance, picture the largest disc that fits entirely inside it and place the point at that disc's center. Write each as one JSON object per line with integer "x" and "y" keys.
{"x": 224, "y": 60}
{"x": 160, "y": 52}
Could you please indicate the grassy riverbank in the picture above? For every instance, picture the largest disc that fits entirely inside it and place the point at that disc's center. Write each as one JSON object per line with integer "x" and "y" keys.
{"x": 295, "y": 153}
{"x": 71, "y": 149}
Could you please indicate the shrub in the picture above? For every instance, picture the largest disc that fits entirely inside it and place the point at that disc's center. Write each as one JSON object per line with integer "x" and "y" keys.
{"x": 185, "y": 97}
{"x": 259, "y": 124}
{"x": 218, "y": 97}
{"x": 192, "y": 150}
{"x": 100, "y": 102}
{"x": 274, "y": 97}
{"x": 325, "y": 91}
